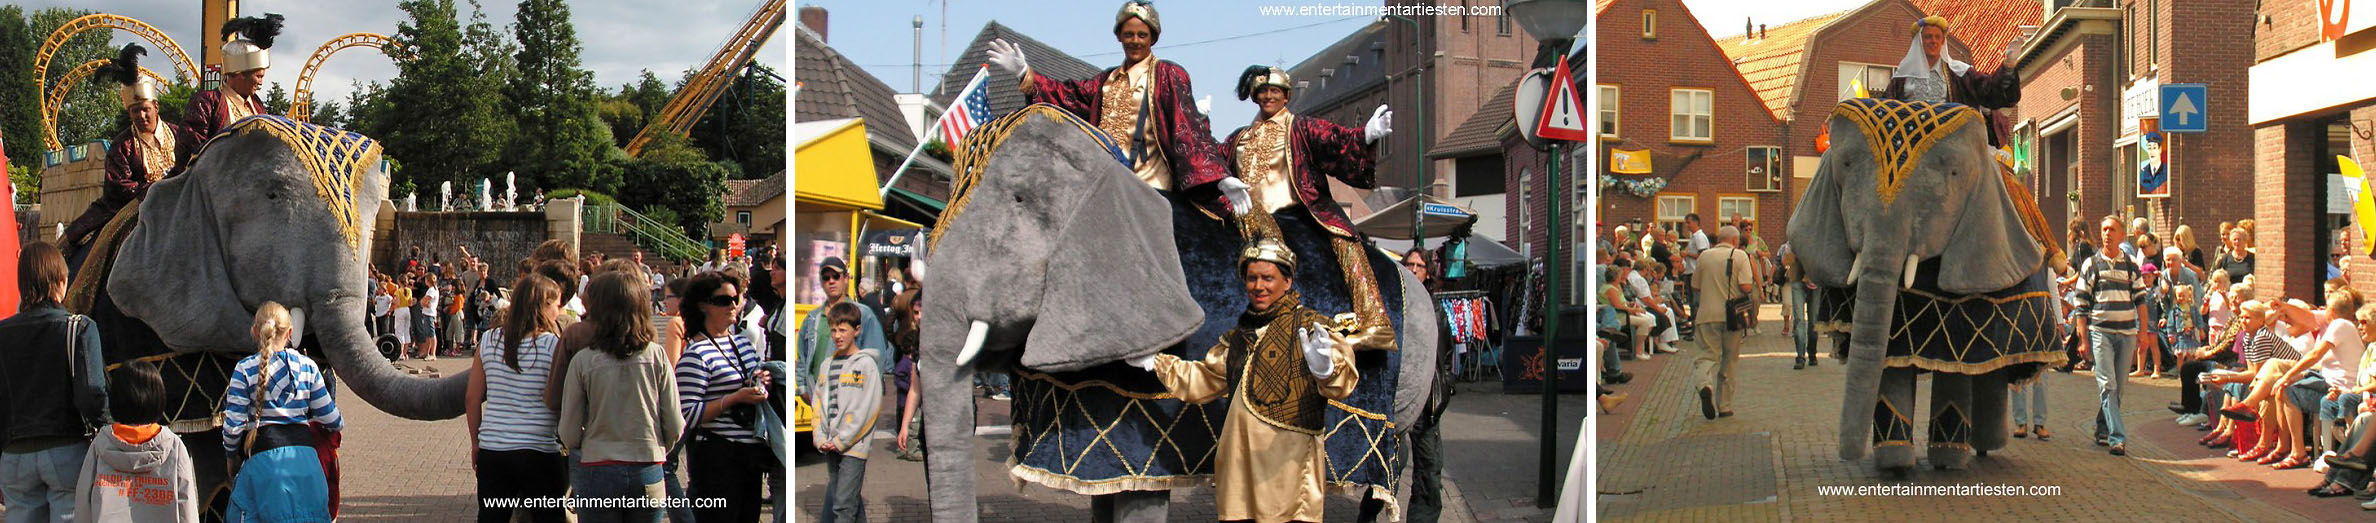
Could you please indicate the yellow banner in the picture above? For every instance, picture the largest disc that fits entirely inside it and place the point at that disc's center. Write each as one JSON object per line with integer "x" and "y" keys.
{"x": 1629, "y": 162}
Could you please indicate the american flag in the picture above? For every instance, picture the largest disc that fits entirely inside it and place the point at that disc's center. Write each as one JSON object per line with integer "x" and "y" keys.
{"x": 971, "y": 110}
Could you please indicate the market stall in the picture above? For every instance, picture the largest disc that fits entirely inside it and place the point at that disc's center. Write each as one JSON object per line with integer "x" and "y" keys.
{"x": 835, "y": 200}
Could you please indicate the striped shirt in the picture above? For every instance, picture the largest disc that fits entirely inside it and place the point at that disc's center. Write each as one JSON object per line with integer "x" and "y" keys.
{"x": 2107, "y": 293}
{"x": 514, "y": 416}
{"x": 296, "y": 394}
{"x": 2264, "y": 345}
{"x": 711, "y": 369}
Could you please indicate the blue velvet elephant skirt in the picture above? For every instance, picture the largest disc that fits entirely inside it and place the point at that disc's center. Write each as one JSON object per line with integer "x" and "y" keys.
{"x": 2012, "y": 329}
{"x": 1113, "y": 428}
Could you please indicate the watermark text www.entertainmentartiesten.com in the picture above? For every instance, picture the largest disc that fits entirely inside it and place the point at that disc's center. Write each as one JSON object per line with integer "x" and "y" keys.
{"x": 1347, "y": 9}
{"x": 1939, "y": 490}
{"x": 602, "y": 503}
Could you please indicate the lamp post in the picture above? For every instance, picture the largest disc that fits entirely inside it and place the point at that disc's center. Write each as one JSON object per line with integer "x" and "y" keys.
{"x": 1554, "y": 23}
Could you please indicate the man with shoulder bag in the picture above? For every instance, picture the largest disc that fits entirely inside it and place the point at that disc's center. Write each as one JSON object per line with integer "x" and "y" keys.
{"x": 1725, "y": 286}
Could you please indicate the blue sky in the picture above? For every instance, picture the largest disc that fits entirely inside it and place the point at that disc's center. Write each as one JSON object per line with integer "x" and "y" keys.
{"x": 879, "y": 35}
{"x": 1724, "y": 18}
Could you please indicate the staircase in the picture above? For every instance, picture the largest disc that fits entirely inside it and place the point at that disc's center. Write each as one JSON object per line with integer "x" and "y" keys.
{"x": 663, "y": 245}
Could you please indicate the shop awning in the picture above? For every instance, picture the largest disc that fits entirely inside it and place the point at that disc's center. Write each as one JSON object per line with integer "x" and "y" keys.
{"x": 1482, "y": 251}
{"x": 833, "y": 164}
{"x": 936, "y": 206}
{"x": 1394, "y": 221}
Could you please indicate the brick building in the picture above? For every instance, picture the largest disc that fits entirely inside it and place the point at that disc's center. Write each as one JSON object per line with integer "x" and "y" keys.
{"x": 2312, "y": 99}
{"x": 2090, "y": 86}
{"x": 1456, "y": 63}
{"x": 1343, "y": 83}
{"x": 1665, "y": 87}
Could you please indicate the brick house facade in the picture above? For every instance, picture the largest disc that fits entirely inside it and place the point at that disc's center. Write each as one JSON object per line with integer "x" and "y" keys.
{"x": 2312, "y": 98}
{"x": 1654, "y": 57}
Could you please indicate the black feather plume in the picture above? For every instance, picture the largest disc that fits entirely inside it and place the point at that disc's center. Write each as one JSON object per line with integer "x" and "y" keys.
{"x": 260, "y": 30}
{"x": 125, "y": 68}
{"x": 1245, "y": 86}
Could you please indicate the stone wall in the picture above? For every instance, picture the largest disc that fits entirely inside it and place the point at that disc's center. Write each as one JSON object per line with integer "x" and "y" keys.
{"x": 501, "y": 239}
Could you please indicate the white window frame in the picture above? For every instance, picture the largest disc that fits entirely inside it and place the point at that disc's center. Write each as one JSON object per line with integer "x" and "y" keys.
{"x": 1608, "y": 111}
{"x": 1649, "y": 24}
{"x": 1726, "y": 203}
{"x": 1674, "y": 221}
{"x": 1772, "y": 180}
{"x": 1851, "y": 71}
{"x": 742, "y": 218}
{"x": 1699, "y": 108}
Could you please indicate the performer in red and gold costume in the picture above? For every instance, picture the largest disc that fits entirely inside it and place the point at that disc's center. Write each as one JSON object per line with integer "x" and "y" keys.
{"x": 1283, "y": 163}
{"x": 1145, "y": 105}
{"x": 150, "y": 149}
{"x": 245, "y": 58}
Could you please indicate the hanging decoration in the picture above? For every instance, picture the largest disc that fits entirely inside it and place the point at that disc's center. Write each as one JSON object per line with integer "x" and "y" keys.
{"x": 1645, "y": 187}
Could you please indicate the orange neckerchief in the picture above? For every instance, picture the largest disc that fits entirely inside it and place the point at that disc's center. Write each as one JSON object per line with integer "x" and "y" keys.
{"x": 137, "y": 434}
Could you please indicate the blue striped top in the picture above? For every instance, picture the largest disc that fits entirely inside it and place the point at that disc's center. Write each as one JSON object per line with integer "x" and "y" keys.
{"x": 712, "y": 369}
{"x": 2108, "y": 293}
{"x": 514, "y": 416}
{"x": 296, "y": 394}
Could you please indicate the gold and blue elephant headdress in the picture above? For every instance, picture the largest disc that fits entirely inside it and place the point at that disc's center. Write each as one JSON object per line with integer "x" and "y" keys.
{"x": 1899, "y": 133}
{"x": 335, "y": 159}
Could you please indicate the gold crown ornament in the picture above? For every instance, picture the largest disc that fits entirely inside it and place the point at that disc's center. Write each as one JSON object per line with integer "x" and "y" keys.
{"x": 1143, "y": 10}
{"x": 1269, "y": 250}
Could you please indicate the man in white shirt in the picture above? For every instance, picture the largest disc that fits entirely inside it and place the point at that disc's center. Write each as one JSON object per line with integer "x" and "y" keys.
{"x": 1697, "y": 242}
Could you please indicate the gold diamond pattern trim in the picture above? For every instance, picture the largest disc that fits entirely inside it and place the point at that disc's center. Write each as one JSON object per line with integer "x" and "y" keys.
{"x": 1899, "y": 134}
{"x": 336, "y": 160}
{"x": 1066, "y": 396}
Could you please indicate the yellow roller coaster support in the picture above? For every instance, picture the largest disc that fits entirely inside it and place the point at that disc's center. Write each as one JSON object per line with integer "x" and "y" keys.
{"x": 302, "y": 109}
{"x": 182, "y": 66}
{"x": 685, "y": 109}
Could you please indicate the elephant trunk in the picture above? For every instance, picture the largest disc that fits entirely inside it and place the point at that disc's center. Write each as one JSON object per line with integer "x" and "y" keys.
{"x": 361, "y": 368}
{"x": 1868, "y": 345}
{"x": 948, "y": 433}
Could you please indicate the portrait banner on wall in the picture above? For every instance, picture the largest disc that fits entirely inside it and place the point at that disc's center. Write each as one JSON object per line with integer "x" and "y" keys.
{"x": 2153, "y": 171}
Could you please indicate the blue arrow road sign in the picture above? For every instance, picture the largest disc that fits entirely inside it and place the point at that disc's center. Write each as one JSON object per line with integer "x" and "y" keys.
{"x": 2183, "y": 107}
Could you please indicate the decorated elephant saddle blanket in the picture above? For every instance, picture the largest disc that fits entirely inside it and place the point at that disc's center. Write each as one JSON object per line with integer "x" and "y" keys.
{"x": 1933, "y": 330}
{"x": 1900, "y": 133}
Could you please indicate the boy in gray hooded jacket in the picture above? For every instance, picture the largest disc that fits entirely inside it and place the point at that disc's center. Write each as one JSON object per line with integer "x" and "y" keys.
{"x": 137, "y": 471}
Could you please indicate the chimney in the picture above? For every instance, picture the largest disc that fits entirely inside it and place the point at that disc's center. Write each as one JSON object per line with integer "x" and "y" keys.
{"x": 1761, "y": 31}
{"x": 1748, "y": 29}
{"x": 813, "y": 17}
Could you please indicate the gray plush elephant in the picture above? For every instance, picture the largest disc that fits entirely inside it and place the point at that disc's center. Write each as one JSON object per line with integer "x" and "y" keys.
{"x": 1055, "y": 263}
{"x": 1935, "y": 261}
{"x": 272, "y": 210}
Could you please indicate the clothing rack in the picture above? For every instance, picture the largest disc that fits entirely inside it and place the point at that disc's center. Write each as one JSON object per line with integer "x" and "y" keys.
{"x": 1482, "y": 354}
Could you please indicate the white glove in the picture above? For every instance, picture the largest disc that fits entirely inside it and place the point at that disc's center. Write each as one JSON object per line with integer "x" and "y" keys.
{"x": 1009, "y": 57}
{"x": 1317, "y": 343}
{"x": 1240, "y": 200}
{"x": 1144, "y": 362}
{"x": 1381, "y": 123}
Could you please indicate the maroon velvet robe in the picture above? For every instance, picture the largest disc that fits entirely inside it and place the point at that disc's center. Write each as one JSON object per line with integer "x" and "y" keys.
{"x": 1319, "y": 149}
{"x": 206, "y": 115}
{"x": 1196, "y": 161}
{"x": 127, "y": 177}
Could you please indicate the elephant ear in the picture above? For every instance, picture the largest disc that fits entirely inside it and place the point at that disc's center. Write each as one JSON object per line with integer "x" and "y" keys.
{"x": 1994, "y": 244}
{"x": 1818, "y": 234}
{"x": 1114, "y": 287}
{"x": 177, "y": 255}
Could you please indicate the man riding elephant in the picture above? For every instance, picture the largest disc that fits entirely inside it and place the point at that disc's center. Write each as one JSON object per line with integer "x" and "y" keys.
{"x": 1283, "y": 165}
{"x": 245, "y": 58}
{"x": 150, "y": 149}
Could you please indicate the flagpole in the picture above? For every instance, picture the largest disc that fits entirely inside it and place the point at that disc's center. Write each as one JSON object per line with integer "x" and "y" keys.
{"x": 970, "y": 85}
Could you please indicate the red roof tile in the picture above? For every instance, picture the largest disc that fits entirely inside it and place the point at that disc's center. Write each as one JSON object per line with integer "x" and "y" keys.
{"x": 1772, "y": 64}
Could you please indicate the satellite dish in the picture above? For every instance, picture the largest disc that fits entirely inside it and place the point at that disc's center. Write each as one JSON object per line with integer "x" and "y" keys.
{"x": 1533, "y": 89}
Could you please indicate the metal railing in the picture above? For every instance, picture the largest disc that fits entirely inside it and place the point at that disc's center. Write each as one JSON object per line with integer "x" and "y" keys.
{"x": 661, "y": 238}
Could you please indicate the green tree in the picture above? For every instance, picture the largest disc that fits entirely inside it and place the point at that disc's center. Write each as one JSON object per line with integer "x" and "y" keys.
{"x": 447, "y": 128}
{"x": 746, "y": 124}
{"x": 276, "y": 99}
{"x": 623, "y": 117}
{"x": 329, "y": 114}
{"x": 674, "y": 175}
{"x": 564, "y": 143}
{"x": 490, "y": 50}
{"x": 91, "y": 111}
{"x": 175, "y": 102}
{"x": 20, "y": 95}
{"x": 650, "y": 94}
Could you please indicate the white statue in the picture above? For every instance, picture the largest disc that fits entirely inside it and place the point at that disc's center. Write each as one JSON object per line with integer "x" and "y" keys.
{"x": 445, "y": 195}
{"x": 412, "y": 202}
{"x": 511, "y": 193}
{"x": 484, "y": 195}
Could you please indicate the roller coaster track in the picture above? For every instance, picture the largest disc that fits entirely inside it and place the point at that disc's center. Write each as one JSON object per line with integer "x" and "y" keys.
{"x": 182, "y": 66}
{"x": 302, "y": 108}
{"x": 704, "y": 87}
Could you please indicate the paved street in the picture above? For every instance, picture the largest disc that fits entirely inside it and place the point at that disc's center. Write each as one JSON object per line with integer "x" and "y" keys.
{"x": 1660, "y": 461}
{"x": 1490, "y": 442}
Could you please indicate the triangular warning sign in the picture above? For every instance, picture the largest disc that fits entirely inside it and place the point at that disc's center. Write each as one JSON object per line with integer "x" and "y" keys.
{"x": 1563, "y": 113}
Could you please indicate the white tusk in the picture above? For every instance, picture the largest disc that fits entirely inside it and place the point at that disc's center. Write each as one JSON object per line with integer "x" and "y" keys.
{"x": 296, "y": 326}
{"x": 1855, "y": 268}
{"x": 1912, "y": 261}
{"x": 973, "y": 342}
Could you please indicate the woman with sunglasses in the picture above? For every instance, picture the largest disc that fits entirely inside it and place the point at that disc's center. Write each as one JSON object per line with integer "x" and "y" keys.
{"x": 719, "y": 380}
